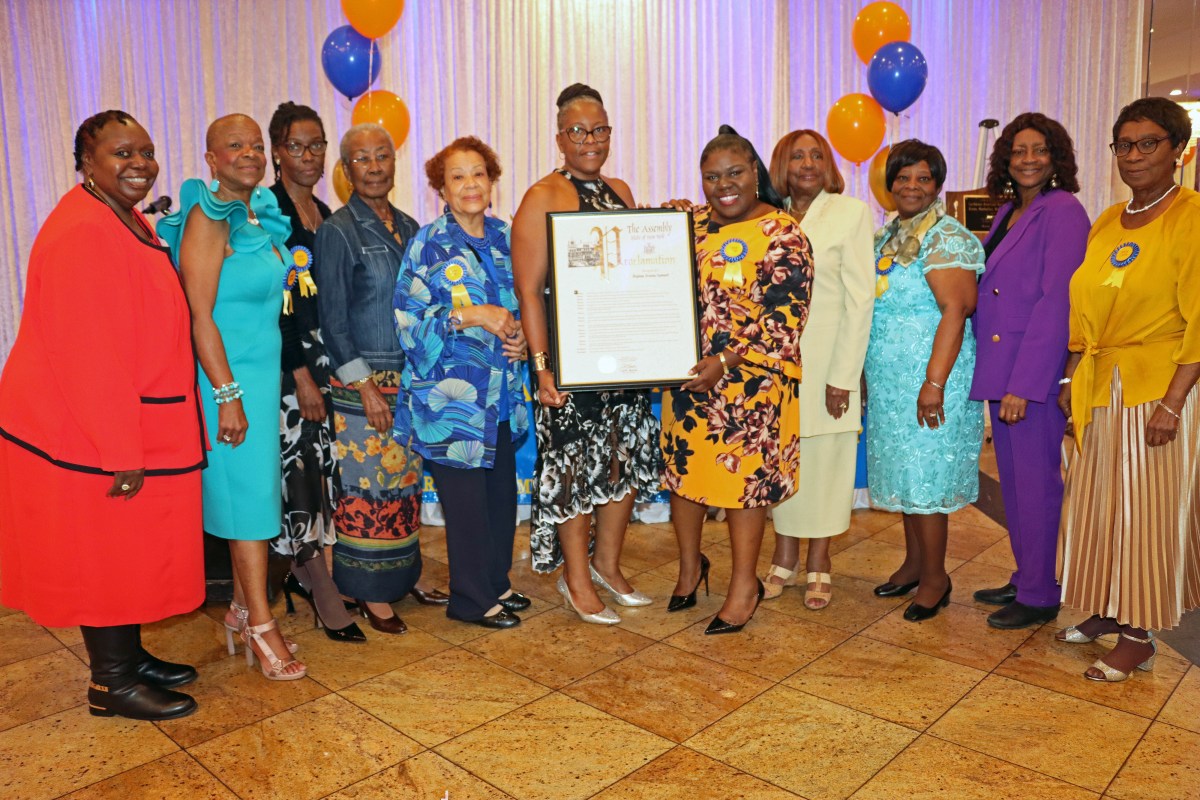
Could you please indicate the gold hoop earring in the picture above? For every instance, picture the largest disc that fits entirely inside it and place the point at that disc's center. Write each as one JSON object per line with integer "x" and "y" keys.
{"x": 90, "y": 182}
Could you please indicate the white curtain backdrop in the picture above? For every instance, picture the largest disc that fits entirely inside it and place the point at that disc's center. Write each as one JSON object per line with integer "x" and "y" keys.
{"x": 670, "y": 71}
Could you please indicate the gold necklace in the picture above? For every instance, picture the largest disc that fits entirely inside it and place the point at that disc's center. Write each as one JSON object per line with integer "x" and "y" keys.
{"x": 303, "y": 217}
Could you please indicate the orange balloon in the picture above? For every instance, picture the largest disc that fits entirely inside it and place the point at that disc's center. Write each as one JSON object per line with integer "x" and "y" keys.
{"x": 341, "y": 184}
{"x": 372, "y": 18}
{"x": 877, "y": 178}
{"x": 856, "y": 126}
{"x": 876, "y": 25}
{"x": 385, "y": 108}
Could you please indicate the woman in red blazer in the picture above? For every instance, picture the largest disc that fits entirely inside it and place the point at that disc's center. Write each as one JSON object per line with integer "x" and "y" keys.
{"x": 1036, "y": 243}
{"x": 101, "y": 440}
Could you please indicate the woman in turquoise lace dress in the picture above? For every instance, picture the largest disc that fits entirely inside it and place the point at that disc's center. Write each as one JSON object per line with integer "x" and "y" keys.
{"x": 923, "y": 433}
{"x": 229, "y": 241}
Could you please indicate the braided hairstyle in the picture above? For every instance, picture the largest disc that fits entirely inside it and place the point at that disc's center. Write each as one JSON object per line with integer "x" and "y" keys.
{"x": 573, "y": 94}
{"x": 85, "y": 136}
{"x": 286, "y": 115}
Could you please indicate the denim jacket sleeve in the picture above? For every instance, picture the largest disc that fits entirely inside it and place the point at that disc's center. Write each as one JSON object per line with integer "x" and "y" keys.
{"x": 335, "y": 254}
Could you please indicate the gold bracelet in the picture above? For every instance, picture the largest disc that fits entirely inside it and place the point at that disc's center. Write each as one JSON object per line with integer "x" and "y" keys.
{"x": 541, "y": 361}
{"x": 1169, "y": 410}
{"x": 724, "y": 363}
{"x": 358, "y": 384}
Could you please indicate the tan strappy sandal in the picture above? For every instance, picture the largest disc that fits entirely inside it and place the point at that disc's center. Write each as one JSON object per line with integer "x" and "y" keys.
{"x": 773, "y": 589}
{"x": 813, "y": 599}
{"x": 273, "y": 668}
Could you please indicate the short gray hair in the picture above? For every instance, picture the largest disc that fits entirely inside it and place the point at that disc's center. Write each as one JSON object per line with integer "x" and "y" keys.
{"x": 362, "y": 127}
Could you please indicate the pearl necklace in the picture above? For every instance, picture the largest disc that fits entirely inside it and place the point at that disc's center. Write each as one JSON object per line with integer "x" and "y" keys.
{"x": 1129, "y": 206}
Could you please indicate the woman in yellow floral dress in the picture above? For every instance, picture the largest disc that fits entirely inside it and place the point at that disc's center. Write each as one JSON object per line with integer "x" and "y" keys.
{"x": 731, "y": 435}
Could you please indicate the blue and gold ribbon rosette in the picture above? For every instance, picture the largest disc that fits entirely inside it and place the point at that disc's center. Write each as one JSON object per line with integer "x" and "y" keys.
{"x": 884, "y": 266}
{"x": 733, "y": 251}
{"x": 455, "y": 272}
{"x": 1120, "y": 258}
{"x": 298, "y": 275}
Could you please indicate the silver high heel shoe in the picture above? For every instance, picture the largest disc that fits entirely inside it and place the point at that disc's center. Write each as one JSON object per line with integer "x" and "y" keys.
{"x": 605, "y": 616}
{"x": 1113, "y": 675}
{"x": 1073, "y": 635}
{"x": 634, "y": 598}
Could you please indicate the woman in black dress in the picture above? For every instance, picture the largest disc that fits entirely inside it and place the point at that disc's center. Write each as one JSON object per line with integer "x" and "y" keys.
{"x": 310, "y": 471}
{"x": 597, "y": 451}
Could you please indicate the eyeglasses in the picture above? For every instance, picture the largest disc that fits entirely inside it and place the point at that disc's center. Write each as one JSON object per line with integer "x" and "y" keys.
{"x": 578, "y": 134}
{"x": 378, "y": 158}
{"x": 1144, "y": 146}
{"x": 296, "y": 149}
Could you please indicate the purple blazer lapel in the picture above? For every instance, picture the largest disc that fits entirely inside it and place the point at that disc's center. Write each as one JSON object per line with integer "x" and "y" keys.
{"x": 1013, "y": 238}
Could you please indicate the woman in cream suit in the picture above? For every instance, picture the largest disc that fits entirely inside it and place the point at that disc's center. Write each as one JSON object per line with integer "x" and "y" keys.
{"x": 833, "y": 347}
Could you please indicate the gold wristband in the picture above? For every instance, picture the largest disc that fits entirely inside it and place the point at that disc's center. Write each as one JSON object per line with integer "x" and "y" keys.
{"x": 358, "y": 384}
{"x": 1169, "y": 410}
{"x": 541, "y": 361}
{"x": 724, "y": 363}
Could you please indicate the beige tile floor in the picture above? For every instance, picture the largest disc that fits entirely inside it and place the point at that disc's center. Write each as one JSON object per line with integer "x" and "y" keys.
{"x": 849, "y": 702}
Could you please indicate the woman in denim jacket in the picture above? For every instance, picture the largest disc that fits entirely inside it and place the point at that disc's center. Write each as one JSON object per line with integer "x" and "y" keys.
{"x": 376, "y": 558}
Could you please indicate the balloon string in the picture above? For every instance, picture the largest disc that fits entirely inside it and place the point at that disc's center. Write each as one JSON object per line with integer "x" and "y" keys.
{"x": 370, "y": 72}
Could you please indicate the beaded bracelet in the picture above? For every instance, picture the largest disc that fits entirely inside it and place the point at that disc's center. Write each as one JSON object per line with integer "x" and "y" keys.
{"x": 227, "y": 393}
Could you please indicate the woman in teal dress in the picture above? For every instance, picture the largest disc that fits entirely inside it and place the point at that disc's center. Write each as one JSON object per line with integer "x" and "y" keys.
{"x": 923, "y": 433}
{"x": 228, "y": 239}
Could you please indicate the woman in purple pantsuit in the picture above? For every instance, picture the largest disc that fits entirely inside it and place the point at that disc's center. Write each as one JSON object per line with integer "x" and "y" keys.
{"x": 1036, "y": 243}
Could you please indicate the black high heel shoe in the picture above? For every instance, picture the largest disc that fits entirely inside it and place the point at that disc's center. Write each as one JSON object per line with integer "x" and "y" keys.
{"x": 292, "y": 585}
{"x": 918, "y": 613}
{"x": 681, "y": 601}
{"x": 719, "y": 625}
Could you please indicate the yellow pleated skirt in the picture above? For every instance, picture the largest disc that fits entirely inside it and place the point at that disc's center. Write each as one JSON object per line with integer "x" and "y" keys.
{"x": 1131, "y": 520}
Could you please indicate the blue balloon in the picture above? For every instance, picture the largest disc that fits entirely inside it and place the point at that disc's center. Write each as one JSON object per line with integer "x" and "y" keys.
{"x": 351, "y": 61}
{"x": 897, "y": 75}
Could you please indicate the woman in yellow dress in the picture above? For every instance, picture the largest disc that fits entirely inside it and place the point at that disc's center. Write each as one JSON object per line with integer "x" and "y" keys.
{"x": 1131, "y": 523}
{"x": 731, "y": 435}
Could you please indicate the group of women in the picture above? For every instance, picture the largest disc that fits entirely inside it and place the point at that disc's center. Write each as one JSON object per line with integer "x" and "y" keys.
{"x": 402, "y": 348}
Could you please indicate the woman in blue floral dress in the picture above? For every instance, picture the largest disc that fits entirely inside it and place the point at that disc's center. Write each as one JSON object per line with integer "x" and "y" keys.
{"x": 923, "y": 433}
{"x": 464, "y": 377}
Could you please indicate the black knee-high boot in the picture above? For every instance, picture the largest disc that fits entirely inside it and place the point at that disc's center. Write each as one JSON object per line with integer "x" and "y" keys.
{"x": 161, "y": 673}
{"x": 116, "y": 689}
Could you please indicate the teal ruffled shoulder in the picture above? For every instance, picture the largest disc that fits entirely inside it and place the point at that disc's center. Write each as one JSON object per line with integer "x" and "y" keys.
{"x": 273, "y": 228}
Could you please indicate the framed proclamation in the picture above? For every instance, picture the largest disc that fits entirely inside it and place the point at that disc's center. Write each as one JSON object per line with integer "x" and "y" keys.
{"x": 622, "y": 311}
